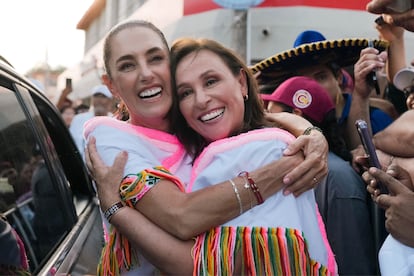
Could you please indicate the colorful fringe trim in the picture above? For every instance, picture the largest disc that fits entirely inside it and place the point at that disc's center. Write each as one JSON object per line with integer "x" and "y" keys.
{"x": 117, "y": 254}
{"x": 262, "y": 251}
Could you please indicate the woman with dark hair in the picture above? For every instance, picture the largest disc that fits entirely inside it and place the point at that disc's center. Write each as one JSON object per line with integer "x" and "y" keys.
{"x": 221, "y": 121}
{"x": 137, "y": 64}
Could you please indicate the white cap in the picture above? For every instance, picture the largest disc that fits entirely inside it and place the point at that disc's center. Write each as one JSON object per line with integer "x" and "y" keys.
{"x": 404, "y": 78}
{"x": 101, "y": 89}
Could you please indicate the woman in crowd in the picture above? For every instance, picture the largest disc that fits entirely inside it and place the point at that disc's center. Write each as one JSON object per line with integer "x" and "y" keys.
{"x": 139, "y": 74}
{"x": 221, "y": 122}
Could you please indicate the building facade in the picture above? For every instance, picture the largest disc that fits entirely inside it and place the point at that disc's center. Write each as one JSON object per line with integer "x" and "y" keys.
{"x": 255, "y": 33}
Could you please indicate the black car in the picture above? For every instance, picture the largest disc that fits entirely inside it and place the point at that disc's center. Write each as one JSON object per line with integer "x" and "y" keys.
{"x": 46, "y": 193}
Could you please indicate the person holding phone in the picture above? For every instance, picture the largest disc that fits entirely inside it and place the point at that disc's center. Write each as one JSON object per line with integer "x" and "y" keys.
{"x": 323, "y": 60}
{"x": 396, "y": 256}
{"x": 396, "y": 140}
{"x": 395, "y": 12}
{"x": 63, "y": 98}
{"x": 342, "y": 193}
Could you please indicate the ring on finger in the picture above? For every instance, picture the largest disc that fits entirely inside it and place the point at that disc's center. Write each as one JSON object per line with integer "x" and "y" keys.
{"x": 315, "y": 180}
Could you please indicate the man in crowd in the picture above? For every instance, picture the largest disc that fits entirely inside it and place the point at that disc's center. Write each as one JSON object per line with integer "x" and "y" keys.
{"x": 324, "y": 60}
{"x": 101, "y": 105}
{"x": 397, "y": 253}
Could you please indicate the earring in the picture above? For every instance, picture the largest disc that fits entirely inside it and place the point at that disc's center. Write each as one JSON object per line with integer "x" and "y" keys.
{"x": 246, "y": 97}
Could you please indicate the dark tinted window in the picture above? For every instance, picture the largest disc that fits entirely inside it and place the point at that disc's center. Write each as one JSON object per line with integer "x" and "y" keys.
{"x": 29, "y": 195}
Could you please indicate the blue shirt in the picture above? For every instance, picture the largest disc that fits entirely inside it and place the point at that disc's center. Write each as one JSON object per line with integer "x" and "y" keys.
{"x": 378, "y": 118}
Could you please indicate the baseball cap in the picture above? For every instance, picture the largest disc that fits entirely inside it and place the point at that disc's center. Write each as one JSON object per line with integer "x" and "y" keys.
{"x": 404, "y": 79}
{"x": 308, "y": 36}
{"x": 101, "y": 89}
{"x": 305, "y": 94}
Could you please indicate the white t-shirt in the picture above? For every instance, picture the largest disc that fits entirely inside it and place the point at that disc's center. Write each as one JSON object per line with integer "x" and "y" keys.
{"x": 146, "y": 148}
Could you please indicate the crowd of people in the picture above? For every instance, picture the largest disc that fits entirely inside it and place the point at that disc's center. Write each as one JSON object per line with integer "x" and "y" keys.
{"x": 210, "y": 166}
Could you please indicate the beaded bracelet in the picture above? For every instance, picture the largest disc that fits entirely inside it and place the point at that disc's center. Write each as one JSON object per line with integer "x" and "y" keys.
{"x": 236, "y": 191}
{"x": 246, "y": 186}
{"x": 253, "y": 186}
{"x": 113, "y": 210}
{"x": 309, "y": 129}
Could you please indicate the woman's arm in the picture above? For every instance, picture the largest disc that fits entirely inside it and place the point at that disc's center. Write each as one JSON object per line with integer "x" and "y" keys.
{"x": 167, "y": 253}
{"x": 293, "y": 123}
{"x": 398, "y": 138}
{"x": 315, "y": 149}
{"x": 187, "y": 214}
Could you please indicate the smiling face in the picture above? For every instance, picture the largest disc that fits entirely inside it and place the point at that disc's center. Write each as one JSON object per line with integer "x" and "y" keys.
{"x": 140, "y": 75}
{"x": 210, "y": 96}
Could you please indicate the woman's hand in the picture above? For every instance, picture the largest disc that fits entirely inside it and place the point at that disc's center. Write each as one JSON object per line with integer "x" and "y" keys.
{"x": 107, "y": 178}
{"x": 315, "y": 149}
{"x": 315, "y": 166}
{"x": 402, "y": 19}
{"x": 293, "y": 123}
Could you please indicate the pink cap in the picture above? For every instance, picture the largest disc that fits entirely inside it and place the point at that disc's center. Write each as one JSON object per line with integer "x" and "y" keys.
{"x": 305, "y": 94}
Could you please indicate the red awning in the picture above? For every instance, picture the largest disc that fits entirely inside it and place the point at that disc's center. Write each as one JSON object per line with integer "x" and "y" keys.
{"x": 198, "y": 6}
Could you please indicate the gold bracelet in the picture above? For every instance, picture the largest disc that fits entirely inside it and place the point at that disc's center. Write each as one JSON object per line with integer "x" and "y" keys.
{"x": 309, "y": 129}
{"x": 236, "y": 191}
{"x": 246, "y": 186}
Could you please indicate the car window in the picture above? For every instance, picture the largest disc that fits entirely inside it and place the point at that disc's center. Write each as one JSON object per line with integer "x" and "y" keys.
{"x": 28, "y": 196}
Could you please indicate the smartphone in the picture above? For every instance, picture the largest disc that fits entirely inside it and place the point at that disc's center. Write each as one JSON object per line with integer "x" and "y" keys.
{"x": 68, "y": 82}
{"x": 380, "y": 20}
{"x": 366, "y": 140}
{"x": 372, "y": 78}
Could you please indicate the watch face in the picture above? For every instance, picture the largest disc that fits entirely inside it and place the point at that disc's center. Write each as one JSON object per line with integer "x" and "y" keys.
{"x": 238, "y": 4}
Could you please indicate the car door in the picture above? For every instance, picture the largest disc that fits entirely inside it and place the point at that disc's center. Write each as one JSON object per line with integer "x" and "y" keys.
{"x": 46, "y": 193}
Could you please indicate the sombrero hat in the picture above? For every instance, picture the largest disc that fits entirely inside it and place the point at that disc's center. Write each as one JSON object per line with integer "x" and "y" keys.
{"x": 343, "y": 52}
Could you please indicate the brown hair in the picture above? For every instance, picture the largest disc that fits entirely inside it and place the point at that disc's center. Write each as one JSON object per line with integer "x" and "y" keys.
{"x": 122, "y": 111}
{"x": 254, "y": 112}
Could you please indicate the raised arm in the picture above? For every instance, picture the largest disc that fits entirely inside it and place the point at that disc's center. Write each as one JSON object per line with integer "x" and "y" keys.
{"x": 369, "y": 60}
{"x": 402, "y": 19}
